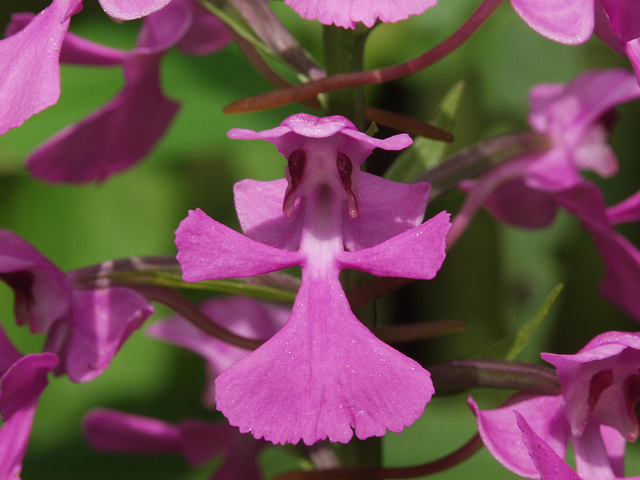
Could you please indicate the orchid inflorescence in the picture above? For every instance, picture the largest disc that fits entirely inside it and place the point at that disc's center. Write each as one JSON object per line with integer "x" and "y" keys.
{"x": 294, "y": 316}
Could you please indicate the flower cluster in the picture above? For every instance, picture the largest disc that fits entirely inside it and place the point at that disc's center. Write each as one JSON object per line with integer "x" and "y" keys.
{"x": 294, "y": 315}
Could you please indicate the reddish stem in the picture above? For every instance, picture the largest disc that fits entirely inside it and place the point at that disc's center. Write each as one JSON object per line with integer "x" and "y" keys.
{"x": 353, "y": 473}
{"x": 307, "y": 90}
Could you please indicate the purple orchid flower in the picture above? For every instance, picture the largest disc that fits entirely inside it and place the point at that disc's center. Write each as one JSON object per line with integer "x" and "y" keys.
{"x": 85, "y": 328}
{"x": 125, "y": 130}
{"x": 528, "y": 191}
{"x": 596, "y": 411}
{"x": 29, "y": 58}
{"x": 572, "y": 21}
{"x": 23, "y": 380}
{"x": 198, "y": 442}
{"x": 241, "y": 315}
{"x": 347, "y": 15}
{"x": 324, "y": 372}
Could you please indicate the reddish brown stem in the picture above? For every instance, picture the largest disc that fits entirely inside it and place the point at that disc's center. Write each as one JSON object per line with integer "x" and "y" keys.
{"x": 303, "y": 91}
{"x": 353, "y": 473}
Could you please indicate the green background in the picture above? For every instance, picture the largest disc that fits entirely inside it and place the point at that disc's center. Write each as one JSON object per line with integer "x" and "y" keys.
{"x": 495, "y": 278}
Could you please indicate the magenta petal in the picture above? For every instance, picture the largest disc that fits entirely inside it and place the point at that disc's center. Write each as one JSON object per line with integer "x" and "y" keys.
{"x": 303, "y": 130}
{"x": 415, "y": 253}
{"x": 114, "y": 431}
{"x": 24, "y": 382}
{"x": 624, "y": 18}
{"x": 347, "y": 13}
{"x": 113, "y": 138}
{"x": 621, "y": 258}
{"x": 207, "y": 33}
{"x": 102, "y": 320}
{"x": 548, "y": 463}
{"x": 567, "y": 111}
{"x": 128, "y": 10}
{"x": 42, "y": 291}
{"x": 515, "y": 203}
{"x": 502, "y": 437}
{"x": 626, "y": 211}
{"x": 75, "y": 49}
{"x": 564, "y": 21}
{"x": 385, "y": 209}
{"x": 29, "y": 62}
{"x": 209, "y": 250}
{"x": 20, "y": 391}
{"x": 202, "y": 441}
{"x": 259, "y": 209}
{"x": 241, "y": 315}
{"x": 320, "y": 376}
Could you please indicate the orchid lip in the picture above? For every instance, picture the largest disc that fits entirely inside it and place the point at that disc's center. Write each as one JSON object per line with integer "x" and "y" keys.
{"x": 310, "y": 168}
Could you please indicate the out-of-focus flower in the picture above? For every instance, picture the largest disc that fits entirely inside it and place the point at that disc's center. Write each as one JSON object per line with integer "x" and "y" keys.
{"x": 348, "y": 13}
{"x": 527, "y": 191}
{"x": 23, "y": 380}
{"x": 85, "y": 328}
{"x": 198, "y": 442}
{"x": 124, "y": 131}
{"x": 572, "y": 21}
{"x": 241, "y": 315}
{"x": 29, "y": 58}
{"x": 324, "y": 372}
{"x": 596, "y": 412}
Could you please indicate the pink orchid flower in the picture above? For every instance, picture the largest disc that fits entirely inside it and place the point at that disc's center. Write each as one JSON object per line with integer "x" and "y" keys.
{"x": 324, "y": 372}
{"x": 596, "y": 412}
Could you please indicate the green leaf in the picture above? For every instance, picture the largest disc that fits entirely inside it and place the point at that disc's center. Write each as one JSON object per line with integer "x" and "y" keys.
{"x": 426, "y": 153}
{"x": 235, "y": 286}
{"x": 512, "y": 346}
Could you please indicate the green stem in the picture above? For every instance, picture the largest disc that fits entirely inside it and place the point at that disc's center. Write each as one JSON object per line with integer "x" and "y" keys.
{"x": 344, "y": 53}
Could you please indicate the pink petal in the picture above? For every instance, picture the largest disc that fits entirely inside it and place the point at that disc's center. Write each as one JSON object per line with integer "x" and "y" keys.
{"x": 29, "y": 62}
{"x": 303, "y": 130}
{"x": 564, "y": 21}
{"x": 75, "y": 49}
{"x": 347, "y": 13}
{"x": 621, "y": 258}
{"x": 626, "y": 211}
{"x": 113, "y": 431}
{"x": 385, "y": 209}
{"x": 320, "y": 376}
{"x": 114, "y": 137}
{"x": 517, "y": 204}
{"x": 165, "y": 28}
{"x": 632, "y": 50}
{"x": 42, "y": 291}
{"x": 207, "y": 33}
{"x": 502, "y": 437}
{"x": 208, "y": 250}
{"x": 20, "y": 391}
{"x": 415, "y": 253}
{"x": 624, "y": 18}
{"x": 567, "y": 111}
{"x": 128, "y": 10}
{"x": 546, "y": 460}
{"x": 101, "y": 321}
{"x": 259, "y": 209}
{"x": 240, "y": 315}
{"x": 615, "y": 445}
{"x": 202, "y": 441}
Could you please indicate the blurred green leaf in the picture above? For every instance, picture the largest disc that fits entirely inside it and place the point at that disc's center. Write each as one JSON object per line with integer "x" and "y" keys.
{"x": 426, "y": 153}
{"x": 510, "y": 347}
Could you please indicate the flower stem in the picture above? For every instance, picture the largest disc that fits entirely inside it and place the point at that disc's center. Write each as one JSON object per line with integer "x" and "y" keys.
{"x": 332, "y": 83}
{"x": 347, "y": 473}
{"x": 182, "y": 306}
{"x": 344, "y": 53}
